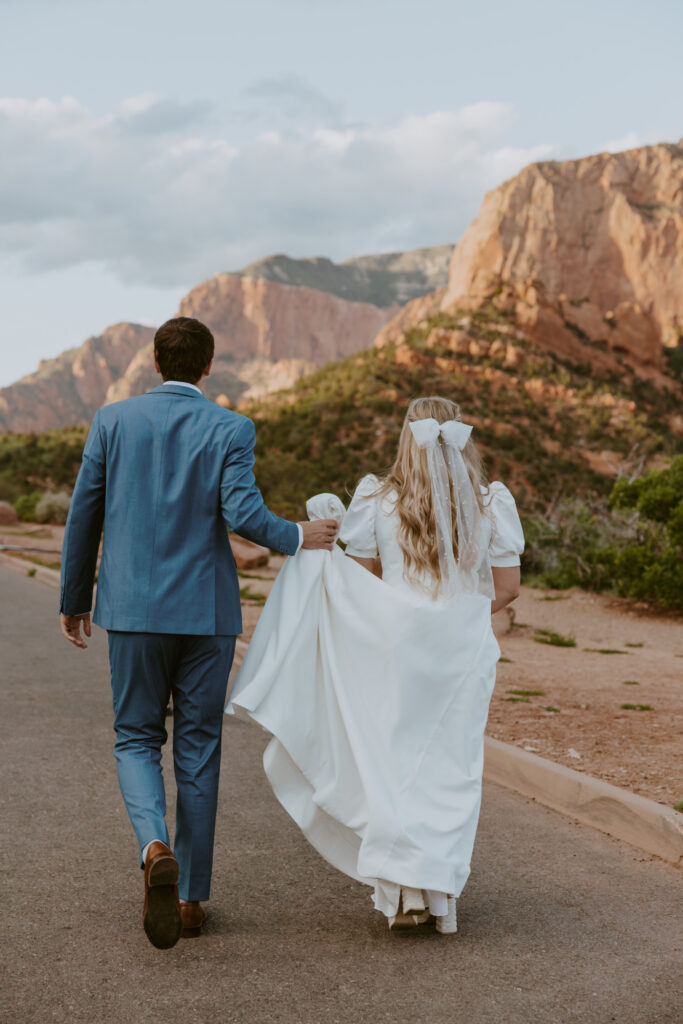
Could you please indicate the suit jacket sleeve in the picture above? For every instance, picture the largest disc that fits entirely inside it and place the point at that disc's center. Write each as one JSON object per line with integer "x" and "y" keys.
{"x": 84, "y": 528}
{"x": 243, "y": 507}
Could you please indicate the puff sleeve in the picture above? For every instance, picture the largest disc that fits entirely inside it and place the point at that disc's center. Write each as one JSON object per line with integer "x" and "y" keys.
{"x": 358, "y": 529}
{"x": 507, "y": 537}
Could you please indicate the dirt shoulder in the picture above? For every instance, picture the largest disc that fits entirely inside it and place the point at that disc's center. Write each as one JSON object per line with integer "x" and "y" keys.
{"x": 637, "y": 748}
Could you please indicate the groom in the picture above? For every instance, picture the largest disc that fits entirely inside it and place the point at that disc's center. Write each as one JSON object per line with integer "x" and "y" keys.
{"x": 164, "y": 473}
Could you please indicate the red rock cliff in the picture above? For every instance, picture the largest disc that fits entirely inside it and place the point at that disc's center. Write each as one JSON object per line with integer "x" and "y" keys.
{"x": 605, "y": 231}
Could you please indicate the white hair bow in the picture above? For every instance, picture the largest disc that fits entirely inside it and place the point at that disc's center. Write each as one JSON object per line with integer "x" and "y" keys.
{"x": 450, "y": 482}
{"x": 428, "y": 431}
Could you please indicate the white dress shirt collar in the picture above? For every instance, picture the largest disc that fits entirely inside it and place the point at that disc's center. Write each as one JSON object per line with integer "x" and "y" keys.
{"x": 183, "y": 384}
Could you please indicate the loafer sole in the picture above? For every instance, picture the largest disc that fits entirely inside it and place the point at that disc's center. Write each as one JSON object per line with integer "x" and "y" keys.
{"x": 162, "y": 920}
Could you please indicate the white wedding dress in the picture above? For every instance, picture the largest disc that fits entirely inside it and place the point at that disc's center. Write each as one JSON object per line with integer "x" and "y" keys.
{"x": 376, "y": 697}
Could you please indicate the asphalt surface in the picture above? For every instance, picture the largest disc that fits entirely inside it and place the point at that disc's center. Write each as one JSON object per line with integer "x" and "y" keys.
{"x": 558, "y": 923}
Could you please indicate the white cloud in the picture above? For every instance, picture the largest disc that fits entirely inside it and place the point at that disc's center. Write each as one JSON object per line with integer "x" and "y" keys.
{"x": 628, "y": 141}
{"x": 158, "y": 192}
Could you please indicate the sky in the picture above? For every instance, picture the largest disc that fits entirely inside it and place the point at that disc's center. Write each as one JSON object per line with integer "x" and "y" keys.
{"x": 146, "y": 145}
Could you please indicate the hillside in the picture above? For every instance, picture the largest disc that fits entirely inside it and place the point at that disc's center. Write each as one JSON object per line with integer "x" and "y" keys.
{"x": 559, "y": 434}
{"x": 273, "y": 323}
{"x": 547, "y": 426}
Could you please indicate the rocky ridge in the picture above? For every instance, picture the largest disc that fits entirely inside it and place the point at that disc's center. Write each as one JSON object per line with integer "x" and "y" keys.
{"x": 273, "y": 322}
{"x": 384, "y": 280}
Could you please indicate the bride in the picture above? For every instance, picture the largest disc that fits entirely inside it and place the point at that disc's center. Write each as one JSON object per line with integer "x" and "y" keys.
{"x": 373, "y": 670}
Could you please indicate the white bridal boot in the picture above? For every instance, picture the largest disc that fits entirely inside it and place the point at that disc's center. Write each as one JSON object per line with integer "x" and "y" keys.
{"x": 448, "y": 924}
{"x": 411, "y": 910}
{"x": 413, "y": 901}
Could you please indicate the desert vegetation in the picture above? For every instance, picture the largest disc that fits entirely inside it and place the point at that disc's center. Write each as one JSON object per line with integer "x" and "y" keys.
{"x": 630, "y": 543}
{"x": 32, "y": 464}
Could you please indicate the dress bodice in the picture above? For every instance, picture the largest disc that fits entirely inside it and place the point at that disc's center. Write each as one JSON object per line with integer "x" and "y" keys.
{"x": 370, "y": 528}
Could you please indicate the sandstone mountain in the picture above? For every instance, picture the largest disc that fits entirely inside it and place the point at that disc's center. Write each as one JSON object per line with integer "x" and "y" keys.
{"x": 585, "y": 256}
{"x": 267, "y": 335}
{"x": 274, "y": 322}
{"x": 587, "y": 251}
{"x": 68, "y": 389}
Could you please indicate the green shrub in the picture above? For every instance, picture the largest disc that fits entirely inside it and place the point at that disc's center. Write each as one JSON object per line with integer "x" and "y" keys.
{"x": 39, "y": 462}
{"x": 549, "y": 636}
{"x": 53, "y": 508}
{"x": 658, "y": 495}
{"x": 631, "y": 545}
{"x": 25, "y": 506}
{"x": 574, "y": 544}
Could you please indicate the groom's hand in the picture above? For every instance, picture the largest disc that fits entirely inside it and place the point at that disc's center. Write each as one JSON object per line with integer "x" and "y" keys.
{"x": 71, "y": 628}
{"x": 321, "y": 533}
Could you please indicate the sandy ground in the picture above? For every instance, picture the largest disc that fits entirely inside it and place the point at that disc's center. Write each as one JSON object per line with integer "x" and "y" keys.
{"x": 588, "y": 730}
{"x": 591, "y": 731}
{"x": 558, "y": 924}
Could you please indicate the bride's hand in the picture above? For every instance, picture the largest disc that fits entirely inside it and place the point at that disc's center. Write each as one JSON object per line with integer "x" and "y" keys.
{"x": 320, "y": 533}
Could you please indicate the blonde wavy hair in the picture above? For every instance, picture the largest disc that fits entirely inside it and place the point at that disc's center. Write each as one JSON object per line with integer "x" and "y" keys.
{"x": 408, "y": 484}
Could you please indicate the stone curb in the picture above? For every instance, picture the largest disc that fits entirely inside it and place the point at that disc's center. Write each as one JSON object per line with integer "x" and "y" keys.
{"x": 49, "y": 576}
{"x": 634, "y": 819}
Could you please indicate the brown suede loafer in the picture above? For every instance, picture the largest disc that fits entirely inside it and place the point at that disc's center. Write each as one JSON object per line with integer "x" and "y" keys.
{"x": 161, "y": 917}
{"x": 193, "y": 915}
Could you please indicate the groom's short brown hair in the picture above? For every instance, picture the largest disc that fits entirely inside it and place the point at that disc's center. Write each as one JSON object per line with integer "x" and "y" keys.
{"x": 183, "y": 348}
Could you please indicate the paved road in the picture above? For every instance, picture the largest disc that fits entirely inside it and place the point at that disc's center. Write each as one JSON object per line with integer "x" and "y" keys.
{"x": 559, "y": 924}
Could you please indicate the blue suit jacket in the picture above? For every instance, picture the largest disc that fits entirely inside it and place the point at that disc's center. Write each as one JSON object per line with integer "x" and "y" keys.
{"x": 165, "y": 473}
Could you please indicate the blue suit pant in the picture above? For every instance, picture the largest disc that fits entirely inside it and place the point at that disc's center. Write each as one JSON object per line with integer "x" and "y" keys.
{"x": 146, "y": 668}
